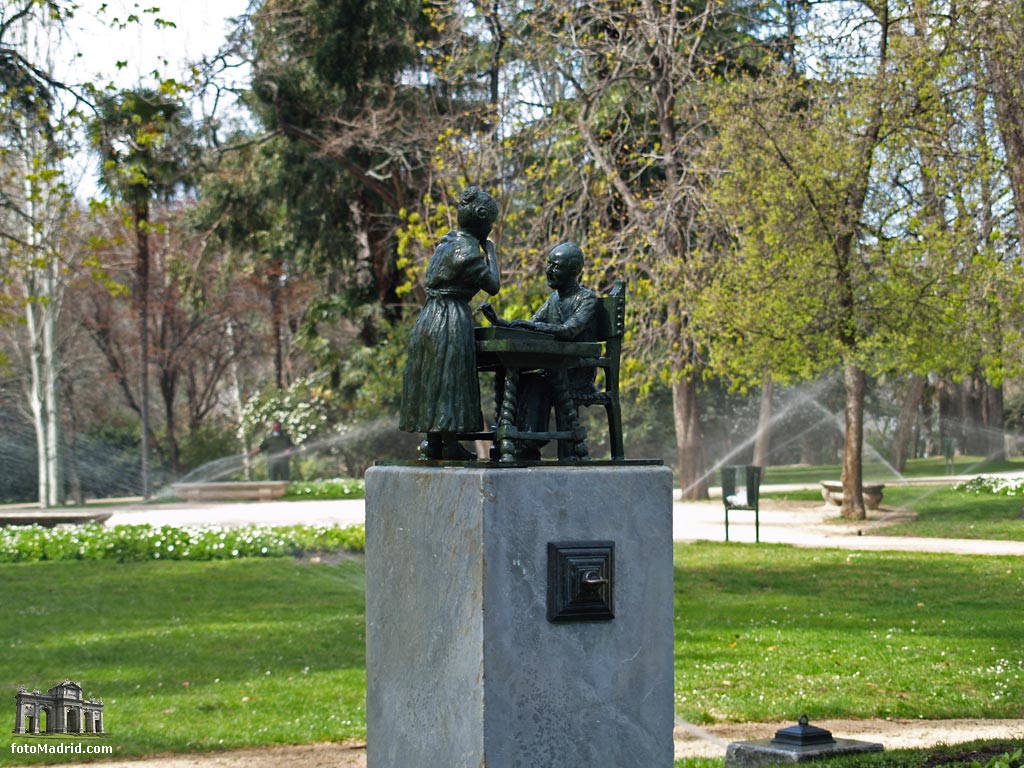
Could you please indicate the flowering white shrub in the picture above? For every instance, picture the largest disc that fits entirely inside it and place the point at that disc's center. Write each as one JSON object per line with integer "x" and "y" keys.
{"x": 134, "y": 543}
{"x": 303, "y": 410}
{"x": 332, "y": 488}
{"x": 1001, "y": 485}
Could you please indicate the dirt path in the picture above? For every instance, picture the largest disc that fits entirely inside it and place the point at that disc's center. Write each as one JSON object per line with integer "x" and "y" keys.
{"x": 690, "y": 742}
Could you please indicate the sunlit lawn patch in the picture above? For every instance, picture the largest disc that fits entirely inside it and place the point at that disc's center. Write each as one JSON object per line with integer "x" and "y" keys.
{"x": 334, "y": 488}
{"x": 207, "y": 655}
{"x": 192, "y": 655}
{"x": 878, "y": 471}
{"x": 770, "y": 632}
{"x": 941, "y": 512}
{"x": 946, "y": 513}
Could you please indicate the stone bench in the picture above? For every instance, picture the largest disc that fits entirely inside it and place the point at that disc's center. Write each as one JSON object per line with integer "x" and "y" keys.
{"x": 263, "y": 490}
{"x": 832, "y": 493}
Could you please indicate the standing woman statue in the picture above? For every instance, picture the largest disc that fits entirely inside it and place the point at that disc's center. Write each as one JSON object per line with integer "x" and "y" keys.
{"x": 440, "y": 389}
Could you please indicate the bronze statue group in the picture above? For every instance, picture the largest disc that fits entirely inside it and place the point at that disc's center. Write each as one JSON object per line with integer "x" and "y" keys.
{"x": 440, "y": 388}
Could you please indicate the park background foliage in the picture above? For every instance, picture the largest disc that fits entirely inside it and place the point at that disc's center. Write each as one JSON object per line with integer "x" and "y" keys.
{"x": 817, "y": 208}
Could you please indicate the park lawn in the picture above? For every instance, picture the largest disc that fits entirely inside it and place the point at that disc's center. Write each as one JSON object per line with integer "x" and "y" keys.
{"x": 770, "y": 632}
{"x": 878, "y": 471}
{"x": 945, "y": 513}
{"x": 192, "y": 655}
{"x": 942, "y": 513}
{"x": 272, "y": 651}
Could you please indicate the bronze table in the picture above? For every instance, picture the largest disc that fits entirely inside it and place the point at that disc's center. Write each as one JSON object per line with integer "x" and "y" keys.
{"x": 508, "y": 352}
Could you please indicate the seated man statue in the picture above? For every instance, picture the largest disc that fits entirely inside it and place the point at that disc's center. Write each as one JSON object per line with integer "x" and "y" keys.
{"x": 568, "y": 315}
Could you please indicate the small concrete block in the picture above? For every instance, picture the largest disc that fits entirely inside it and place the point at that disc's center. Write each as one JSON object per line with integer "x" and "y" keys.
{"x": 762, "y": 752}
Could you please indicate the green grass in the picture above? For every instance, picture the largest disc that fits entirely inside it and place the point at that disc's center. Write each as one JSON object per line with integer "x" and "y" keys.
{"x": 272, "y": 651}
{"x": 333, "y": 488}
{"x": 769, "y": 632}
{"x": 877, "y": 471}
{"x": 800, "y": 494}
{"x": 945, "y": 513}
{"x": 138, "y": 543}
{"x": 192, "y": 656}
{"x": 941, "y": 512}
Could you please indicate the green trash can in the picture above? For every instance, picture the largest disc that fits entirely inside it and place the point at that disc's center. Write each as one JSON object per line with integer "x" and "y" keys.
{"x": 741, "y": 489}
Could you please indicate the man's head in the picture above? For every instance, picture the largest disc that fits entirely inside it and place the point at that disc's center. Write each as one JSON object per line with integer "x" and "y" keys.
{"x": 275, "y": 427}
{"x": 477, "y": 212}
{"x": 565, "y": 263}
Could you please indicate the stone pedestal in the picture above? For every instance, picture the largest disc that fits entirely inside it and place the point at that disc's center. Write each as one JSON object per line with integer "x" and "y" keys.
{"x": 464, "y": 668}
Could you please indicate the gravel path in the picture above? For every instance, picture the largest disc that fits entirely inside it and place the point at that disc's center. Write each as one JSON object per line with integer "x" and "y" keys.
{"x": 690, "y": 741}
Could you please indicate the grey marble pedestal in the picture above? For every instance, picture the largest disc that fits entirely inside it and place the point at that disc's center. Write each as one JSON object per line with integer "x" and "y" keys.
{"x": 464, "y": 669}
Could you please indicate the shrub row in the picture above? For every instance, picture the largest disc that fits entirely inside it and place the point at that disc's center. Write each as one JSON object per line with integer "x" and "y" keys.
{"x": 137, "y": 543}
{"x": 336, "y": 488}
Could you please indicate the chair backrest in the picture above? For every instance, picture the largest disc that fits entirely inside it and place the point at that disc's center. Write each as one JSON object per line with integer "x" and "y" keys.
{"x": 610, "y": 320}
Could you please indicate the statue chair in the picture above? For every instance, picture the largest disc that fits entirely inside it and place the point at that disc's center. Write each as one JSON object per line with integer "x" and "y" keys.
{"x": 610, "y": 321}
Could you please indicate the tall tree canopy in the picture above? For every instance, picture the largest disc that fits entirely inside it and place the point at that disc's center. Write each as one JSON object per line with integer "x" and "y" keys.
{"x": 145, "y": 144}
{"x": 853, "y": 220}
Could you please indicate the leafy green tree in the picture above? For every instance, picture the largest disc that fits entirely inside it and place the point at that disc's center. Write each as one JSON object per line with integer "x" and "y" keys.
{"x": 341, "y": 148}
{"x": 146, "y": 147}
{"x": 590, "y": 131}
{"x": 38, "y": 117}
{"x": 993, "y": 31}
{"x": 853, "y": 243}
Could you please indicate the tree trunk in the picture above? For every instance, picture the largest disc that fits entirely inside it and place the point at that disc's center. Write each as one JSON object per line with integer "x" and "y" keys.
{"x": 35, "y": 402}
{"x": 237, "y": 398}
{"x": 973, "y": 441}
{"x": 949, "y": 419}
{"x": 907, "y": 422}
{"x": 274, "y": 286}
{"x": 71, "y": 448}
{"x": 142, "y": 307}
{"x": 931, "y": 442}
{"x": 764, "y": 436}
{"x": 1005, "y": 68}
{"x": 992, "y": 416}
{"x": 42, "y": 297}
{"x": 810, "y": 451}
{"x": 51, "y": 399}
{"x": 689, "y": 442}
{"x": 40, "y": 321}
{"x": 853, "y": 486}
{"x": 168, "y": 391}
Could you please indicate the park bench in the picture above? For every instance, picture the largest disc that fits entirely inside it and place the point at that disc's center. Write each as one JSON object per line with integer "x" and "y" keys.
{"x": 51, "y": 517}
{"x": 832, "y": 493}
{"x": 263, "y": 490}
